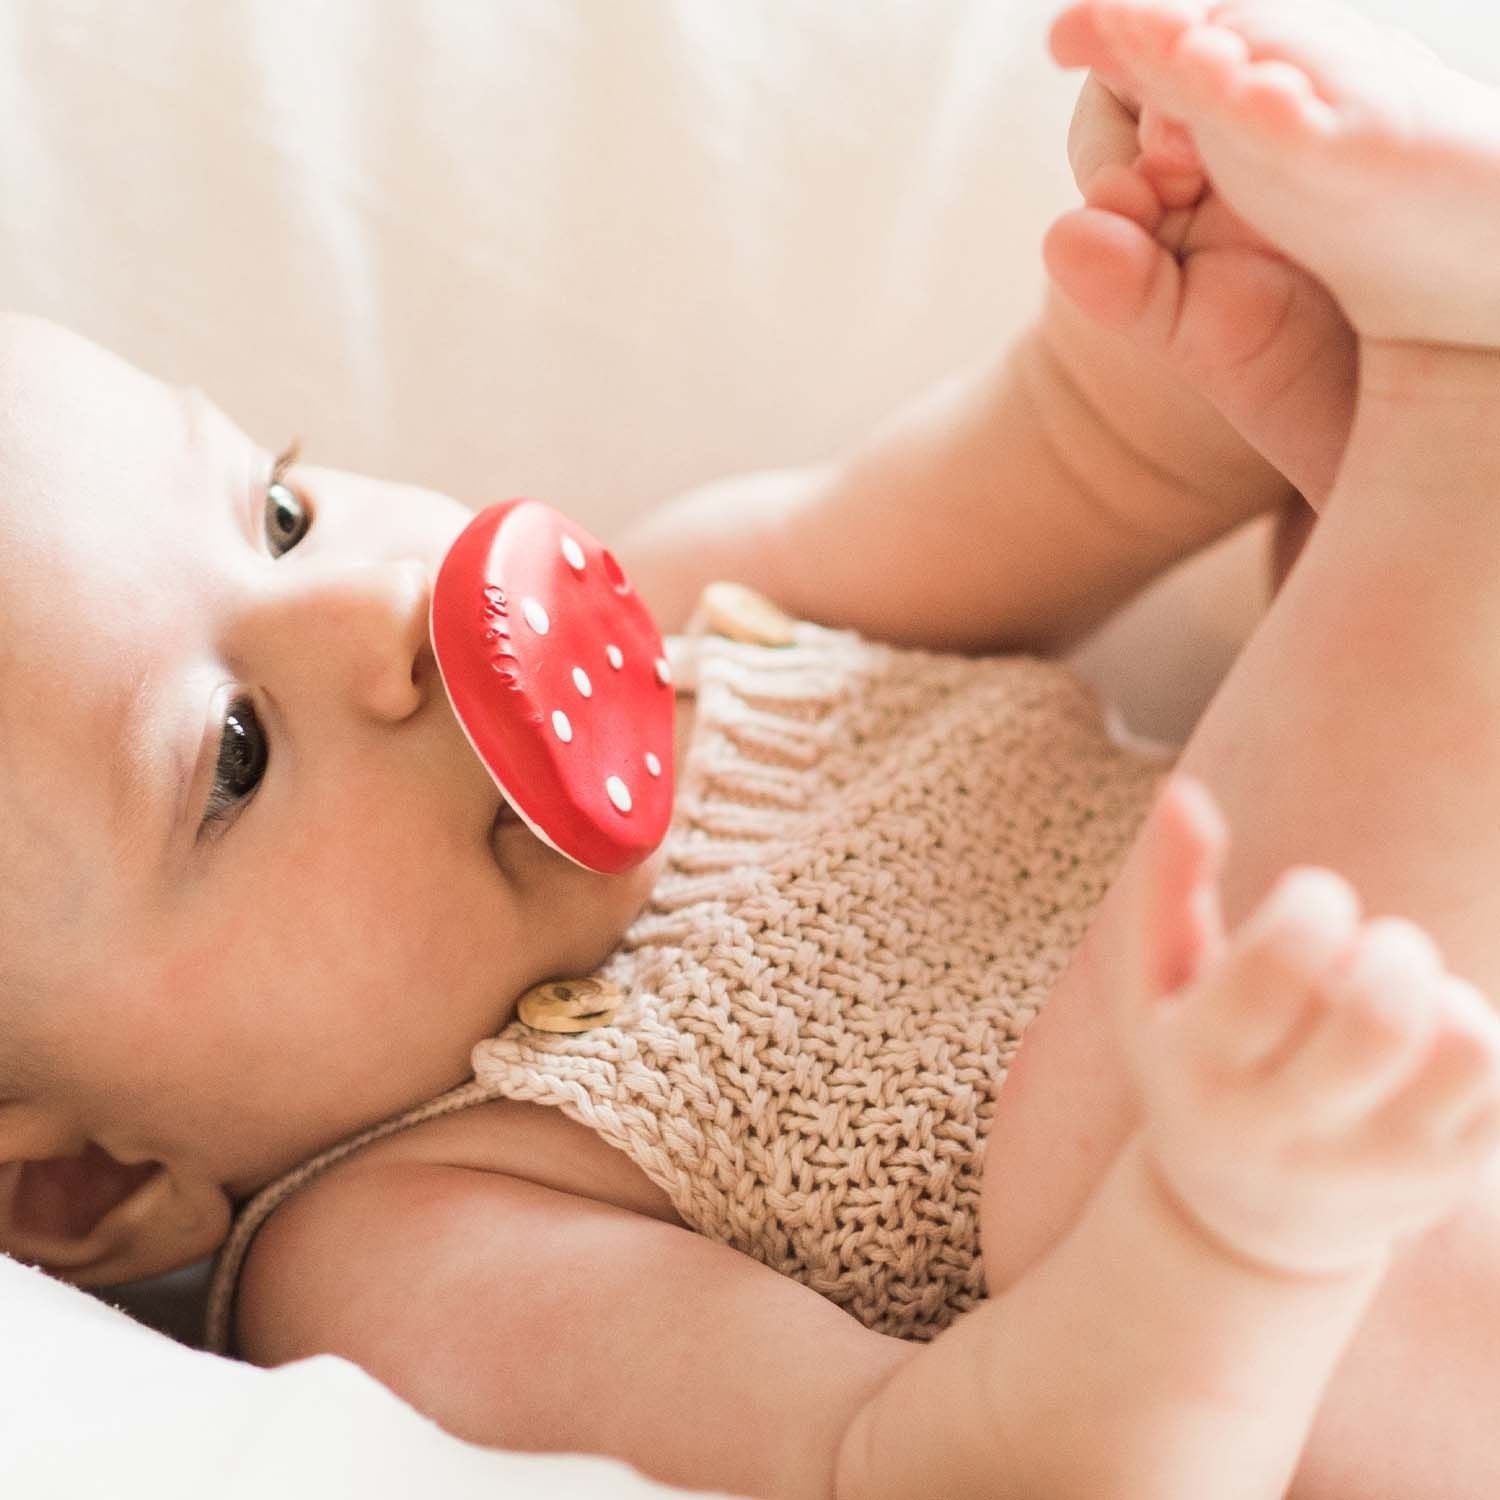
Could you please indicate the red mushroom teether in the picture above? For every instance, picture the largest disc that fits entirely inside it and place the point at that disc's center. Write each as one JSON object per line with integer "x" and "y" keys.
{"x": 556, "y": 672}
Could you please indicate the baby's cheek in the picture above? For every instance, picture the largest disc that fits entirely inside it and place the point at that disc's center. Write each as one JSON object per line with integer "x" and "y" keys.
{"x": 197, "y": 951}
{"x": 593, "y": 924}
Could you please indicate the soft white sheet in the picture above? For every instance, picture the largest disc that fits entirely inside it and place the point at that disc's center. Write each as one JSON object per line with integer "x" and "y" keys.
{"x": 94, "y": 1404}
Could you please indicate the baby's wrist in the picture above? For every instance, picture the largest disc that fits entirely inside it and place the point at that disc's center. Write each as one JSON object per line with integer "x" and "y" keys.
{"x": 1176, "y": 1216}
{"x": 729, "y": 528}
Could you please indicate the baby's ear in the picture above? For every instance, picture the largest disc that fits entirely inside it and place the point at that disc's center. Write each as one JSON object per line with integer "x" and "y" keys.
{"x": 72, "y": 1208}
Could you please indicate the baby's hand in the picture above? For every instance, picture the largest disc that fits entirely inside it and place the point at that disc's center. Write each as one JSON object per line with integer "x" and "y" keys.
{"x": 1314, "y": 1085}
{"x": 1155, "y": 254}
{"x": 1110, "y": 130}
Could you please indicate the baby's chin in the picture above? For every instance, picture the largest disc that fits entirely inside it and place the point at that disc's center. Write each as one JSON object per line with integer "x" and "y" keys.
{"x": 596, "y": 911}
{"x": 635, "y": 888}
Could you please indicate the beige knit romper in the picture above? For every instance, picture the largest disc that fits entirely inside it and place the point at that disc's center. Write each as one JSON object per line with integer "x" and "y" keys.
{"x": 879, "y": 863}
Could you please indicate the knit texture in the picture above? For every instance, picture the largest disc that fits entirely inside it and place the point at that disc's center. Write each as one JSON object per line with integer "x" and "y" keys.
{"x": 880, "y": 861}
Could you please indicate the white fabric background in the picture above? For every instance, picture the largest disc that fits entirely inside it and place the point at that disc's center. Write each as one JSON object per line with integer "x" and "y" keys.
{"x": 594, "y": 250}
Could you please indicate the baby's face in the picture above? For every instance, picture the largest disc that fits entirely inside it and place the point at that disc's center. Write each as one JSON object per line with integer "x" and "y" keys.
{"x": 260, "y": 891}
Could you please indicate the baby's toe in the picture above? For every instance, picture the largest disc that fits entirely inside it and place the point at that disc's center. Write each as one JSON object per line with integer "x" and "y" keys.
{"x": 1146, "y": 32}
{"x": 1210, "y": 59}
{"x": 1076, "y": 40}
{"x": 1278, "y": 96}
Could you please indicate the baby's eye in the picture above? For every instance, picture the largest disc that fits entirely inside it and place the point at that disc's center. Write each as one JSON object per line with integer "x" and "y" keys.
{"x": 287, "y": 518}
{"x": 243, "y": 754}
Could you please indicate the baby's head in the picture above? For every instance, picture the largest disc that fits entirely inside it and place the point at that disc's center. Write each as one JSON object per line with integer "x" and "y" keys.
{"x": 253, "y": 894}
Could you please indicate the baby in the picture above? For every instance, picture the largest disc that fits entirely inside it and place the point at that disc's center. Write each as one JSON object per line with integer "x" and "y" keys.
{"x": 270, "y": 901}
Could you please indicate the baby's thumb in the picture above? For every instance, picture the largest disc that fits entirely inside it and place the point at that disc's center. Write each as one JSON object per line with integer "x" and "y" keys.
{"x": 1178, "y": 917}
{"x": 1102, "y": 133}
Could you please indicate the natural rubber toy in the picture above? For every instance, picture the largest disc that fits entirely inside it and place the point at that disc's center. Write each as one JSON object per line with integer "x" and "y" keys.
{"x": 556, "y": 672}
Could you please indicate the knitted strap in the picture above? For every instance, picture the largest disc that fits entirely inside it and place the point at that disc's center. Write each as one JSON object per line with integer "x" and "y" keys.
{"x": 231, "y": 1257}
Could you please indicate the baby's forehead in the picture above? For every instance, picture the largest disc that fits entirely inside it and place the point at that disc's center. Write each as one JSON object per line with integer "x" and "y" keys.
{"x": 43, "y": 365}
{"x": 90, "y": 448}
{"x": 86, "y": 443}
{"x": 71, "y": 412}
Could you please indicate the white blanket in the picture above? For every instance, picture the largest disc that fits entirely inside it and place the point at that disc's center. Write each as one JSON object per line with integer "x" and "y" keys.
{"x": 93, "y": 1404}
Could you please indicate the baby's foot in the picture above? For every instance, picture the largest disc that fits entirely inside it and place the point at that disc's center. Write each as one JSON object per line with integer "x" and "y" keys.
{"x": 1350, "y": 147}
{"x": 1319, "y": 1086}
{"x": 1197, "y": 287}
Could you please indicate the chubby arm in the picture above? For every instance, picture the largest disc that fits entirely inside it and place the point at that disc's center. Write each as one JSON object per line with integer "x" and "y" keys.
{"x": 518, "y": 1316}
{"x": 523, "y": 1317}
{"x": 1013, "y": 507}
{"x": 1016, "y": 505}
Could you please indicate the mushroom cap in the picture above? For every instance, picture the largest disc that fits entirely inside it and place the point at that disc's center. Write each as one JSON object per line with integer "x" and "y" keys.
{"x": 556, "y": 672}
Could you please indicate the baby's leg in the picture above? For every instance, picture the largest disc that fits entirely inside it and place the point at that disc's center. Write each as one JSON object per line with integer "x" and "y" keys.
{"x": 1351, "y": 147}
{"x": 1311, "y": 1088}
{"x": 1360, "y": 730}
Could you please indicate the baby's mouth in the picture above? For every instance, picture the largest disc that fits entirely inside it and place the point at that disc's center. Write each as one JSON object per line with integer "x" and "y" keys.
{"x": 502, "y": 836}
{"x": 505, "y": 816}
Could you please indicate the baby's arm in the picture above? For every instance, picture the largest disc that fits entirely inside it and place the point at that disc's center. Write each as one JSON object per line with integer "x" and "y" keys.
{"x": 1312, "y": 1087}
{"x": 526, "y": 1318}
{"x": 1014, "y": 506}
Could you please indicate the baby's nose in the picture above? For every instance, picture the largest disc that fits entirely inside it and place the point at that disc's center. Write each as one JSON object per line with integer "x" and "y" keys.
{"x": 380, "y": 612}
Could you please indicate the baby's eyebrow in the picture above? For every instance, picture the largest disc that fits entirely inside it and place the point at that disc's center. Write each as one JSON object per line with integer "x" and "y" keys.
{"x": 283, "y": 461}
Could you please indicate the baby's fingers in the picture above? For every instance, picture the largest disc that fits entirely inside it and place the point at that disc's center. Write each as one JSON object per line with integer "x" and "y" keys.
{"x": 1454, "y": 1098}
{"x": 1174, "y": 926}
{"x": 1263, "y": 995}
{"x": 1125, "y": 192}
{"x": 1364, "y": 1032}
{"x": 1103, "y": 131}
{"x": 1170, "y": 160}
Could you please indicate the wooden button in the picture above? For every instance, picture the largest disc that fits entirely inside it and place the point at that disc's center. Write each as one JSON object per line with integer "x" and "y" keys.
{"x": 731, "y": 609}
{"x": 570, "y": 1004}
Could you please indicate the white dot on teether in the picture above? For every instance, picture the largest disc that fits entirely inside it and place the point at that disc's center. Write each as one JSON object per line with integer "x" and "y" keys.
{"x": 582, "y": 683}
{"x": 653, "y": 765}
{"x": 573, "y": 553}
{"x": 536, "y": 616}
{"x": 560, "y": 726}
{"x": 663, "y": 671}
{"x": 619, "y": 793}
{"x": 615, "y": 655}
